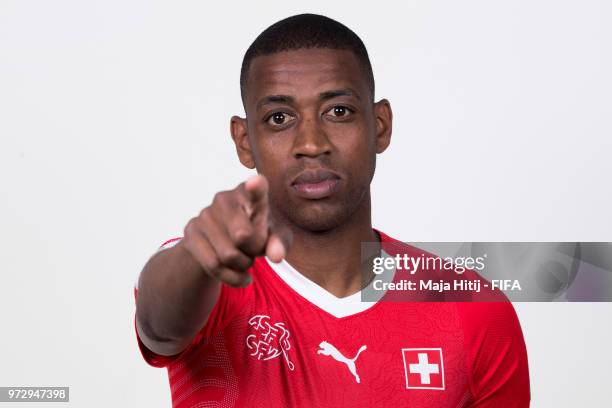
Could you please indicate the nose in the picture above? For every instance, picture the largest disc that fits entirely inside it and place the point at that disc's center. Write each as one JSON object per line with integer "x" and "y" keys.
{"x": 311, "y": 139}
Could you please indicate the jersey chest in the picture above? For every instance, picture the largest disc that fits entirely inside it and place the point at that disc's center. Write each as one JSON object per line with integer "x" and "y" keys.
{"x": 285, "y": 350}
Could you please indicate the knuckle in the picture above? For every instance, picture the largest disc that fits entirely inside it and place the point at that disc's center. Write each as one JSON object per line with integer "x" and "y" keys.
{"x": 231, "y": 278}
{"x": 190, "y": 228}
{"x": 216, "y": 199}
{"x": 229, "y": 255}
{"x": 242, "y": 234}
{"x": 204, "y": 214}
{"x": 205, "y": 219}
{"x": 221, "y": 198}
{"x": 233, "y": 283}
{"x": 213, "y": 267}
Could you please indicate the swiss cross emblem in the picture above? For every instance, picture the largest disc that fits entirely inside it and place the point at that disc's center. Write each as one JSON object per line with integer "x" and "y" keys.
{"x": 268, "y": 340}
{"x": 424, "y": 368}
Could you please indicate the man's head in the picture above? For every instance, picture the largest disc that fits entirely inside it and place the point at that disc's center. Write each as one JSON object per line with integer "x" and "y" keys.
{"x": 312, "y": 127}
{"x": 302, "y": 32}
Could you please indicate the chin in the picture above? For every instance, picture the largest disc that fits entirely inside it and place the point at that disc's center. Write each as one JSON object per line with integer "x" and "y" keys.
{"x": 320, "y": 218}
{"x": 318, "y": 224}
{"x": 320, "y": 215}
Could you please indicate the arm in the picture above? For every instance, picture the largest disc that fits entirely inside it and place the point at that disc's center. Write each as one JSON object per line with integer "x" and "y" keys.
{"x": 179, "y": 287}
{"x": 170, "y": 310}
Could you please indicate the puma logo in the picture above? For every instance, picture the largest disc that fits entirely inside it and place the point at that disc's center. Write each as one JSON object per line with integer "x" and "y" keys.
{"x": 328, "y": 349}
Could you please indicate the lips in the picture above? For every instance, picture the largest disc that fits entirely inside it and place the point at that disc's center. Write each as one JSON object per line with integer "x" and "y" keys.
{"x": 315, "y": 184}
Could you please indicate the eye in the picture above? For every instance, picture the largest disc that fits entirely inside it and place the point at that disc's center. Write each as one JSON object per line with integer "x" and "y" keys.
{"x": 279, "y": 118}
{"x": 339, "y": 111}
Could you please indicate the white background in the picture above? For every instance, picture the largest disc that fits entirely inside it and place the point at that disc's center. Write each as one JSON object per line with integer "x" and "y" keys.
{"x": 114, "y": 132}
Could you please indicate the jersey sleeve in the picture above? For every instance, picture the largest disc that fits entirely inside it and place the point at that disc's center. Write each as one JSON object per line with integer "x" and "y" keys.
{"x": 230, "y": 301}
{"x": 496, "y": 355}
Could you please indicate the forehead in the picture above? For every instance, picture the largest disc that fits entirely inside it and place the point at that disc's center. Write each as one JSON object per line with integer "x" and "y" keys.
{"x": 303, "y": 73}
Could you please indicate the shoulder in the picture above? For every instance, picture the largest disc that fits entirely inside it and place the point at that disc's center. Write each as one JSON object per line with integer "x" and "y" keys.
{"x": 491, "y": 317}
{"x": 496, "y": 353}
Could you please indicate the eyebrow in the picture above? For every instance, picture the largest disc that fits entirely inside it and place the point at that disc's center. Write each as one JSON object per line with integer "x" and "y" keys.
{"x": 266, "y": 100}
{"x": 338, "y": 92}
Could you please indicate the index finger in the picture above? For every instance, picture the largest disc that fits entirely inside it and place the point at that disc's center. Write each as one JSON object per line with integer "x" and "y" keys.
{"x": 256, "y": 189}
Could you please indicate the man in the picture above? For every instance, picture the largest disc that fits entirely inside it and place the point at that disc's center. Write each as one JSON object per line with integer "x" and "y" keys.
{"x": 259, "y": 303}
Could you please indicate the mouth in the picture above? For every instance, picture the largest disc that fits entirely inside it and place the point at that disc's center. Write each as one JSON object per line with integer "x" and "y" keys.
{"x": 316, "y": 184}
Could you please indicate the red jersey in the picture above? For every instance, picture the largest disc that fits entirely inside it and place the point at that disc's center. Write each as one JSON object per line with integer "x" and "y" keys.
{"x": 284, "y": 341}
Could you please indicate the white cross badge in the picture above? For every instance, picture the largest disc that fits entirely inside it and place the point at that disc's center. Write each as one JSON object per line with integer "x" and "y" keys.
{"x": 424, "y": 368}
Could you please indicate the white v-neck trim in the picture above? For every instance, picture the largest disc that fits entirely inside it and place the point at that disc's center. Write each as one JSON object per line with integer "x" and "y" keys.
{"x": 315, "y": 294}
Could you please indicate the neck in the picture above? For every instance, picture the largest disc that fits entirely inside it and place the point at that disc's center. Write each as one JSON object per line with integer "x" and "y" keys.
{"x": 332, "y": 259}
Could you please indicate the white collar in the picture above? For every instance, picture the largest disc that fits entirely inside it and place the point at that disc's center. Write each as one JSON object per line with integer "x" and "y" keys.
{"x": 315, "y": 294}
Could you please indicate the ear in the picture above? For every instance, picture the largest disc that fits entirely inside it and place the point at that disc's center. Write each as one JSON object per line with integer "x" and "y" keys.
{"x": 384, "y": 124}
{"x": 240, "y": 135}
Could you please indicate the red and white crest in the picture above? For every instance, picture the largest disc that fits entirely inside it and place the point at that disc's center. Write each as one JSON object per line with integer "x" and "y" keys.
{"x": 424, "y": 368}
{"x": 270, "y": 340}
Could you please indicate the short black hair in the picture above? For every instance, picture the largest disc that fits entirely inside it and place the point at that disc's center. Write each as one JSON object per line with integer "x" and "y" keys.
{"x": 306, "y": 31}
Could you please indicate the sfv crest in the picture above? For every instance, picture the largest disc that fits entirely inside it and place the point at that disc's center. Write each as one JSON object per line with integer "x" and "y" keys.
{"x": 269, "y": 340}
